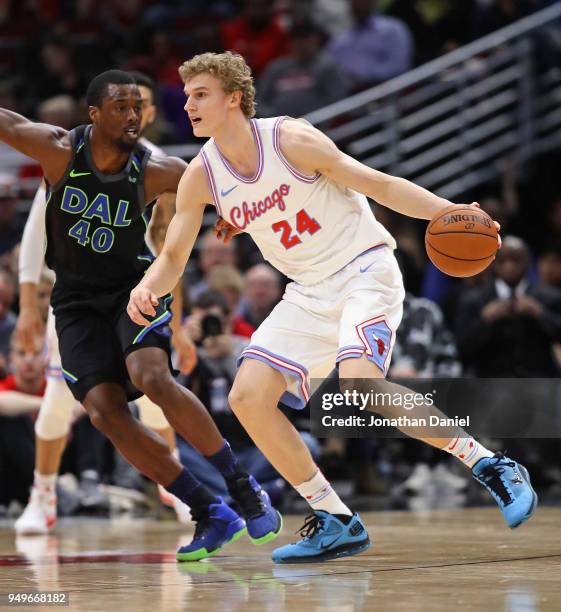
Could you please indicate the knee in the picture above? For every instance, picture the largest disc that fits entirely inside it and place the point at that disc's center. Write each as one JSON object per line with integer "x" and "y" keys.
{"x": 241, "y": 398}
{"x": 153, "y": 382}
{"x": 55, "y": 413}
{"x": 107, "y": 419}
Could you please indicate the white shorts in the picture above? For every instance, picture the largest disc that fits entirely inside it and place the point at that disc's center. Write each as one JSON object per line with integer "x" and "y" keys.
{"x": 354, "y": 311}
{"x": 54, "y": 366}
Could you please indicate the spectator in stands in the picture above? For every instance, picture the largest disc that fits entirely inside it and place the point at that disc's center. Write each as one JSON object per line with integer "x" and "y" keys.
{"x": 209, "y": 326}
{"x": 425, "y": 348}
{"x": 549, "y": 266}
{"x": 229, "y": 281}
{"x": 375, "y": 49}
{"x": 11, "y": 227}
{"x": 20, "y": 397}
{"x": 8, "y": 97}
{"x": 257, "y": 34}
{"x": 59, "y": 110}
{"x": 508, "y": 327}
{"x": 164, "y": 58}
{"x": 491, "y": 16}
{"x": 437, "y": 26}
{"x": 263, "y": 290}
{"x": 59, "y": 74}
{"x": 213, "y": 252}
{"x": 334, "y": 16}
{"x": 7, "y": 318}
{"x": 304, "y": 80}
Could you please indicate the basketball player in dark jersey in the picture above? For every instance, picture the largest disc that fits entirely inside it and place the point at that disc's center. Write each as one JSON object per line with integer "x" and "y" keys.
{"x": 100, "y": 186}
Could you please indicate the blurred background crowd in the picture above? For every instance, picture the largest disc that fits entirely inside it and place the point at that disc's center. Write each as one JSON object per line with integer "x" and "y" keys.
{"x": 304, "y": 53}
{"x": 505, "y": 322}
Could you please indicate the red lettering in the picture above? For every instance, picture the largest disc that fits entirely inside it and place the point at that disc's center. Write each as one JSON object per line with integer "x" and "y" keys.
{"x": 250, "y": 213}
{"x": 304, "y": 223}
{"x": 235, "y": 215}
{"x": 287, "y": 239}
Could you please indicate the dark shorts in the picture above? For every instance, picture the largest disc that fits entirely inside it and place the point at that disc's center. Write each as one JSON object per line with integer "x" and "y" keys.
{"x": 96, "y": 334}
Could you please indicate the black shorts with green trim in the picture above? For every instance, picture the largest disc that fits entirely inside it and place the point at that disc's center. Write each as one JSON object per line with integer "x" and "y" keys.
{"x": 96, "y": 334}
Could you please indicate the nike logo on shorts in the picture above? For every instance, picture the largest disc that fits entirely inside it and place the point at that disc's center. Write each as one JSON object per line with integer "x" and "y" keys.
{"x": 367, "y": 267}
{"x": 74, "y": 174}
{"x": 225, "y": 193}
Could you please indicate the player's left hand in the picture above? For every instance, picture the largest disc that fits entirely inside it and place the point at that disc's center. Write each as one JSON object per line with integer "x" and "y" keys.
{"x": 185, "y": 349}
{"x": 142, "y": 302}
{"x": 497, "y": 224}
{"x": 225, "y": 231}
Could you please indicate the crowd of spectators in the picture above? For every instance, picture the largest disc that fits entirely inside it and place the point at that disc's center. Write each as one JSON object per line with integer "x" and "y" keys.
{"x": 504, "y": 323}
{"x": 305, "y": 54}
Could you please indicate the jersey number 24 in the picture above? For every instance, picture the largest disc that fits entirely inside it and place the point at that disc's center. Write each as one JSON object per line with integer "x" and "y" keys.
{"x": 304, "y": 223}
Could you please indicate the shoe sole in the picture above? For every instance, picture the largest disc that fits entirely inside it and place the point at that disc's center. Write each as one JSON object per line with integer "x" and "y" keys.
{"x": 203, "y": 553}
{"x": 51, "y": 524}
{"x": 532, "y": 508}
{"x": 268, "y": 537}
{"x": 33, "y": 531}
{"x": 345, "y": 550}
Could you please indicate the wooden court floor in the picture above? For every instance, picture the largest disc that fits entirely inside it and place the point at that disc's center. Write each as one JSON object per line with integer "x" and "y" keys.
{"x": 420, "y": 561}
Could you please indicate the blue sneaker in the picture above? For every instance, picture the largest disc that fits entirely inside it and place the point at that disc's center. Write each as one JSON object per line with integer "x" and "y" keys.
{"x": 263, "y": 522}
{"x": 216, "y": 526}
{"x": 509, "y": 483}
{"x": 325, "y": 537}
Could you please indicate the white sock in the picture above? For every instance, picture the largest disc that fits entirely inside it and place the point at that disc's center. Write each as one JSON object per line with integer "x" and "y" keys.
{"x": 44, "y": 487}
{"x": 467, "y": 449}
{"x": 318, "y": 493}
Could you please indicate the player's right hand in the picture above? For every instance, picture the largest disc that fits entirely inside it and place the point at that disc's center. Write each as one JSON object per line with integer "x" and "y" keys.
{"x": 29, "y": 328}
{"x": 142, "y": 302}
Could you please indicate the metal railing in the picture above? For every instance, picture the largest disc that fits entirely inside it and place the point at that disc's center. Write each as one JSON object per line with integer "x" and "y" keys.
{"x": 455, "y": 122}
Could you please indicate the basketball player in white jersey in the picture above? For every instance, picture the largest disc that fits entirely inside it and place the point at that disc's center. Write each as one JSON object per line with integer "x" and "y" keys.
{"x": 55, "y": 415}
{"x": 301, "y": 200}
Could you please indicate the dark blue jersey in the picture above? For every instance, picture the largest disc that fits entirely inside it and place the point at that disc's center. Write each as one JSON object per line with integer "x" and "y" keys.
{"x": 96, "y": 223}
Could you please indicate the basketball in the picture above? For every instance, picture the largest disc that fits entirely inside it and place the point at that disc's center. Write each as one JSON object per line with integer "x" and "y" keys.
{"x": 461, "y": 240}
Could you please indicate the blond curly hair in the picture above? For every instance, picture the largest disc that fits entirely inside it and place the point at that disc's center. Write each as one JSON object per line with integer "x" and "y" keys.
{"x": 230, "y": 69}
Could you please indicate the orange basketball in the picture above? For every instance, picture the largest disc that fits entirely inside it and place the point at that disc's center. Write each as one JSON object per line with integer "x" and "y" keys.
{"x": 461, "y": 240}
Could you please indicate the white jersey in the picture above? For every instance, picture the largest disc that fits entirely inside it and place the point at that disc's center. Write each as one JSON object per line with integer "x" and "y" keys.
{"x": 308, "y": 227}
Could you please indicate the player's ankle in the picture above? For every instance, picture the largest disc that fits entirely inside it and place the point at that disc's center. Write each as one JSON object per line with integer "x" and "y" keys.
{"x": 319, "y": 494}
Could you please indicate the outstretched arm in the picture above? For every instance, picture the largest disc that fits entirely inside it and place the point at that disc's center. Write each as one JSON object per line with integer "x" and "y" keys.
{"x": 185, "y": 349}
{"x": 30, "y": 325}
{"x": 47, "y": 144}
{"x": 164, "y": 273}
{"x": 310, "y": 151}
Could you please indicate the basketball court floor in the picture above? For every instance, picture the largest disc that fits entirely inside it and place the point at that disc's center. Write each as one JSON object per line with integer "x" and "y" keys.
{"x": 420, "y": 561}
